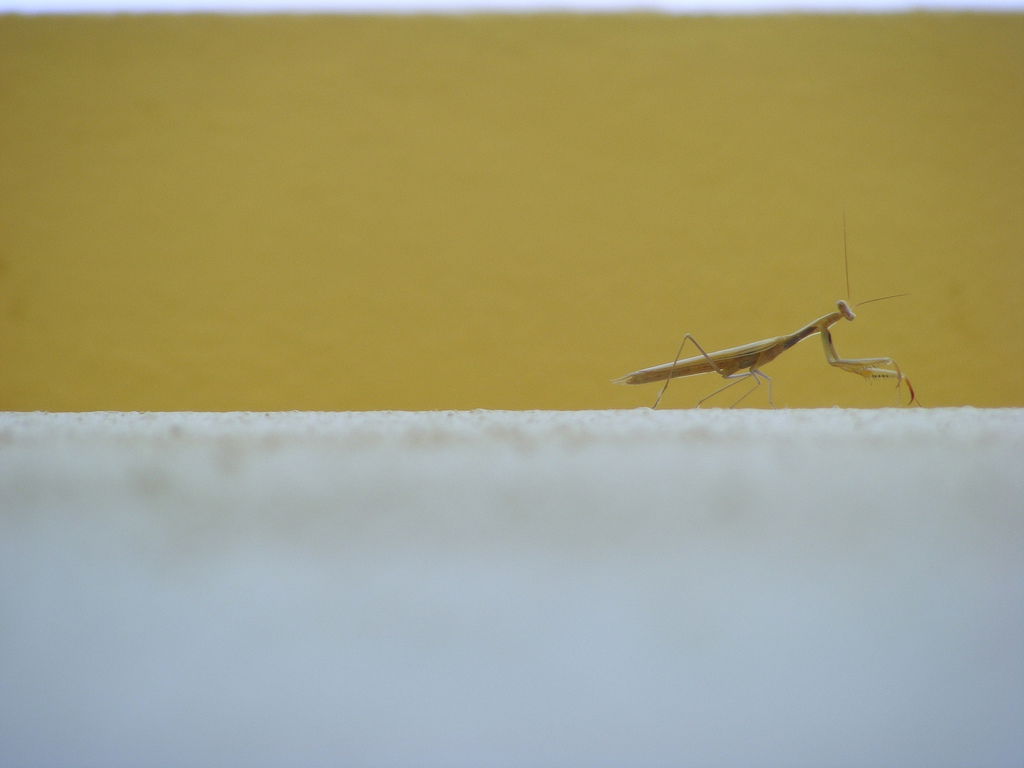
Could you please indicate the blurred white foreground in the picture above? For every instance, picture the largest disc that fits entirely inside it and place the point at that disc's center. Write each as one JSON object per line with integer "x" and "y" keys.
{"x": 618, "y": 588}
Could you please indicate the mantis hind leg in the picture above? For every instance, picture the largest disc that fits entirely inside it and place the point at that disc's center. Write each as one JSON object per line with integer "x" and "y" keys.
{"x": 679, "y": 354}
{"x": 736, "y": 378}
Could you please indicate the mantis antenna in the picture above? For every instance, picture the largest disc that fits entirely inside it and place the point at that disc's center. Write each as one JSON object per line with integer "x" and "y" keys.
{"x": 846, "y": 265}
{"x": 846, "y": 260}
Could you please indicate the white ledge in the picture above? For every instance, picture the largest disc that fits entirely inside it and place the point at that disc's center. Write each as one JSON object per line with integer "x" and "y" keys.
{"x": 728, "y": 588}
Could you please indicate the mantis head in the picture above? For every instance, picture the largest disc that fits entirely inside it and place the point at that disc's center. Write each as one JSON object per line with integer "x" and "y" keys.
{"x": 844, "y": 310}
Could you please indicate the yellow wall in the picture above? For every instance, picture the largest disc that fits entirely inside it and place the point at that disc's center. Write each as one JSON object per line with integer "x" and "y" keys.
{"x": 205, "y": 212}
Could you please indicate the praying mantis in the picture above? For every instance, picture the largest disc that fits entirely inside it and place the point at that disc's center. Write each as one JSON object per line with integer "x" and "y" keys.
{"x": 745, "y": 361}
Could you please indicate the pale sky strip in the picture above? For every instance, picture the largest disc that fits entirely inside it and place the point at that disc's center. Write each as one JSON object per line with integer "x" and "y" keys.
{"x": 506, "y": 6}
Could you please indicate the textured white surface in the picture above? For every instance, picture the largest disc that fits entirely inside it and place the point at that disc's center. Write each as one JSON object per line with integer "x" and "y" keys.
{"x": 712, "y": 588}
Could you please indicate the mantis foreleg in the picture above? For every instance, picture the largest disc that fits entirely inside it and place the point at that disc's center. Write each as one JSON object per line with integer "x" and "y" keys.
{"x": 868, "y": 367}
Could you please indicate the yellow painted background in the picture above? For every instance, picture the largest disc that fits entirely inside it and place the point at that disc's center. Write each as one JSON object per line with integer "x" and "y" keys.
{"x": 306, "y": 212}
